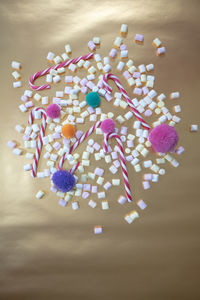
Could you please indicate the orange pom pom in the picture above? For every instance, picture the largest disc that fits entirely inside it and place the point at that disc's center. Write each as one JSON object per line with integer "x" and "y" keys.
{"x": 68, "y": 131}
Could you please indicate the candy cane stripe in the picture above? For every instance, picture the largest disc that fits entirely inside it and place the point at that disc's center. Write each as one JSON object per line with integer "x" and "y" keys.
{"x": 40, "y": 142}
{"x": 124, "y": 93}
{"x": 122, "y": 159}
{"x": 46, "y": 71}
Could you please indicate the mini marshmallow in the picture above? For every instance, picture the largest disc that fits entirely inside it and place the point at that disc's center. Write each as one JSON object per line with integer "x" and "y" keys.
{"x": 122, "y": 200}
{"x": 16, "y": 65}
{"x": 193, "y": 128}
{"x": 104, "y": 205}
{"x": 150, "y": 67}
{"x": 92, "y": 204}
{"x": 174, "y": 163}
{"x": 96, "y": 40}
{"x": 120, "y": 66}
{"x": 50, "y": 56}
{"x": 137, "y": 168}
{"x": 17, "y": 84}
{"x": 20, "y": 129}
{"x": 62, "y": 202}
{"x": 155, "y": 168}
{"x": 98, "y": 229}
{"x": 142, "y": 68}
{"x": 124, "y": 54}
{"x": 156, "y": 42}
{"x": 120, "y": 119}
{"x": 116, "y": 182}
{"x": 101, "y": 195}
{"x": 39, "y": 194}
{"x": 174, "y": 95}
{"x": 142, "y": 205}
{"x": 75, "y": 205}
{"x": 11, "y": 144}
{"x": 113, "y": 53}
{"x": 16, "y": 75}
{"x": 17, "y": 151}
{"x": 160, "y": 51}
{"x": 57, "y": 59}
{"x": 56, "y": 79}
{"x": 117, "y": 42}
{"x": 91, "y": 45}
{"x": 146, "y": 185}
{"x": 147, "y": 163}
{"x": 124, "y": 29}
{"x": 139, "y": 38}
{"x": 68, "y": 49}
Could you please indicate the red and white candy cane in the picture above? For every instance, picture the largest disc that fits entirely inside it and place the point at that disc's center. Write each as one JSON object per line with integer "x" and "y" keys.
{"x": 46, "y": 71}
{"x": 124, "y": 93}
{"x": 122, "y": 159}
{"x": 74, "y": 168}
{"x": 78, "y": 142}
{"x": 40, "y": 142}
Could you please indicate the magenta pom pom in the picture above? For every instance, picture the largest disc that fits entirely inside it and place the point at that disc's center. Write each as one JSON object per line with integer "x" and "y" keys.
{"x": 163, "y": 138}
{"x": 108, "y": 125}
{"x": 53, "y": 111}
{"x": 63, "y": 180}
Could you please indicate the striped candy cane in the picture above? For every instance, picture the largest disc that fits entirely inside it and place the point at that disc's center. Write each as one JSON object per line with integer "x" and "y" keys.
{"x": 78, "y": 142}
{"x": 46, "y": 71}
{"x": 74, "y": 168}
{"x": 123, "y": 161}
{"x": 124, "y": 93}
{"x": 40, "y": 142}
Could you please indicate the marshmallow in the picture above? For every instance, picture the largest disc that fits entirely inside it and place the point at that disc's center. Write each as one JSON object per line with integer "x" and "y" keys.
{"x": 117, "y": 42}
{"x": 193, "y": 128}
{"x": 150, "y": 67}
{"x": 96, "y": 40}
{"x": 139, "y": 38}
{"x": 142, "y": 205}
{"x": 156, "y": 42}
{"x": 124, "y": 29}
{"x": 160, "y": 51}
{"x": 16, "y": 65}
{"x": 39, "y": 194}
{"x": 174, "y": 95}
{"x": 17, "y": 151}
{"x": 98, "y": 229}
{"x": 122, "y": 200}
{"x": 50, "y": 56}
{"x": 17, "y": 84}
{"x": 120, "y": 66}
{"x": 57, "y": 59}
{"x": 16, "y": 75}
{"x": 75, "y": 205}
{"x": 101, "y": 195}
{"x": 92, "y": 204}
{"x": 68, "y": 49}
{"x": 104, "y": 205}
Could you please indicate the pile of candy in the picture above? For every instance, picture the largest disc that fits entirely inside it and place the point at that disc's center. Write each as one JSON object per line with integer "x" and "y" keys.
{"x": 66, "y": 112}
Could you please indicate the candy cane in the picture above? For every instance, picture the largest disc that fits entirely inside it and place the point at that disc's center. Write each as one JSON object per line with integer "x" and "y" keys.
{"x": 78, "y": 142}
{"x": 124, "y": 93}
{"x": 123, "y": 161}
{"x": 74, "y": 168}
{"x": 46, "y": 71}
{"x": 40, "y": 142}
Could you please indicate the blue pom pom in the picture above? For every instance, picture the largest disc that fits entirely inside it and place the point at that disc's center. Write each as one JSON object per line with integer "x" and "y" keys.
{"x": 63, "y": 180}
{"x": 93, "y": 99}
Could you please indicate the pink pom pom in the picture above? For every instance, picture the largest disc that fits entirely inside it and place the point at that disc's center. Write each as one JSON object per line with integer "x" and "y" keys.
{"x": 163, "y": 138}
{"x": 108, "y": 125}
{"x": 53, "y": 111}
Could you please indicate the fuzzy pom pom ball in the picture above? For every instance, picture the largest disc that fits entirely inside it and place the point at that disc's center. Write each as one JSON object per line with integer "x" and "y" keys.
{"x": 63, "y": 180}
{"x": 93, "y": 99}
{"x": 53, "y": 111}
{"x": 163, "y": 138}
{"x": 68, "y": 131}
{"x": 108, "y": 125}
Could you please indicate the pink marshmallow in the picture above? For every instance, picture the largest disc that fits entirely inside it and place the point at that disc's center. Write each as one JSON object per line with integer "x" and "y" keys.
{"x": 139, "y": 37}
{"x": 137, "y": 91}
{"x": 91, "y": 110}
{"x": 78, "y": 134}
{"x": 68, "y": 79}
{"x": 91, "y": 45}
{"x": 113, "y": 53}
{"x": 56, "y": 135}
{"x": 114, "y": 155}
{"x": 94, "y": 189}
{"x": 116, "y": 163}
{"x": 11, "y": 144}
{"x": 29, "y": 104}
{"x": 87, "y": 187}
{"x": 148, "y": 113}
{"x": 146, "y": 185}
{"x": 96, "y": 146}
{"x": 99, "y": 171}
{"x": 129, "y": 158}
{"x": 136, "y": 74}
{"x": 145, "y": 90}
{"x": 85, "y": 195}
{"x": 24, "y": 98}
{"x": 130, "y": 144}
{"x": 107, "y": 185}
{"x": 127, "y": 75}
{"x": 56, "y": 100}
{"x": 83, "y": 82}
{"x": 123, "y": 130}
{"x": 123, "y": 47}
{"x": 90, "y": 85}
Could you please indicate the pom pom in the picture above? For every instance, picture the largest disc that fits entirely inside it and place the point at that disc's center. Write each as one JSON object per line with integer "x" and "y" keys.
{"x": 53, "y": 111}
{"x": 93, "y": 99}
{"x": 163, "y": 138}
{"x": 68, "y": 131}
{"x": 108, "y": 125}
{"x": 63, "y": 180}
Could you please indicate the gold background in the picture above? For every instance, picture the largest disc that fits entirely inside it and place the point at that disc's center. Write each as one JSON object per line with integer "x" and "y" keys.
{"x": 50, "y": 252}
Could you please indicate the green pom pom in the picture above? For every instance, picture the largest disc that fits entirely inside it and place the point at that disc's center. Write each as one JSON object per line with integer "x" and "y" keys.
{"x": 93, "y": 99}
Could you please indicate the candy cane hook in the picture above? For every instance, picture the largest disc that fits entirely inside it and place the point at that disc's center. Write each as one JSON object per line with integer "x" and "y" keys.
{"x": 124, "y": 93}
{"x": 78, "y": 142}
{"x": 122, "y": 159}
{"x": 46, "y": 71}
{"x": 40, "y": 142}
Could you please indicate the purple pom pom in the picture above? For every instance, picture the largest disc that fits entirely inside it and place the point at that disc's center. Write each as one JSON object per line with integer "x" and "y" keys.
{"x": 53, "y": 111}
{"x": 63, "y": 180}
{"x": 163, "y": 138}
{"x": 108, "y": 125}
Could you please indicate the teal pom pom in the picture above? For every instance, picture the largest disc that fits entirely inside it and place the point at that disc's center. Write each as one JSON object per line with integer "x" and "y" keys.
{"x": 93, "y": 99}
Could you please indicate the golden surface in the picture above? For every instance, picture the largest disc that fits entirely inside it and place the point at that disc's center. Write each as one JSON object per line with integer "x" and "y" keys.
{"x": 49, "y": 252}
